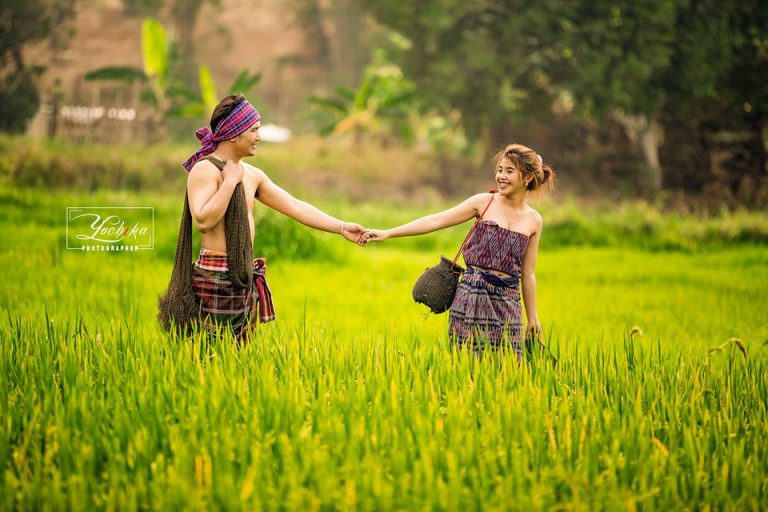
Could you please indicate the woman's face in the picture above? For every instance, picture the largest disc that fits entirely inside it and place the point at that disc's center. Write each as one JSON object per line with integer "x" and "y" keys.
{"x": 508, "y": 179}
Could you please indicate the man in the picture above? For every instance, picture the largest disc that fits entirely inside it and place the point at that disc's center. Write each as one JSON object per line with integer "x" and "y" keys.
{"x": 226, "y": 287}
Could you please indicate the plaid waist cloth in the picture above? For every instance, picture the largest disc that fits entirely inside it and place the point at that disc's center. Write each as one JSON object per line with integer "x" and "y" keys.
{"x": 221, "y": 303}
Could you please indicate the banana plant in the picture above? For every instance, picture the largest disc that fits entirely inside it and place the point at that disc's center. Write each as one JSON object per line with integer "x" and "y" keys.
{"x": 380, "y": 107}
{"x": 165, "y": 89}
{"x": 156, "y": 74}
{"x": 156, "y": 51}
{"x": 243, "y": 83}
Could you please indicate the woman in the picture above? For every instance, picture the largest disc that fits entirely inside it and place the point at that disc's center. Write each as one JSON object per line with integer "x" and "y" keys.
{"x": 500, "y": 253}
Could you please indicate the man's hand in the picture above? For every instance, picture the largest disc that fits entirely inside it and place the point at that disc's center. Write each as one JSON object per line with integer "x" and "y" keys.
{"x": 233, "y": 172}
{"x": 352, "y": 232}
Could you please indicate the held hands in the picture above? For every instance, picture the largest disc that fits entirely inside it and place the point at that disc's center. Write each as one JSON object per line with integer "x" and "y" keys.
{"x": 374, "y": 235}
{"x": 361, "y": 236}
{"x": 352, "y": 232}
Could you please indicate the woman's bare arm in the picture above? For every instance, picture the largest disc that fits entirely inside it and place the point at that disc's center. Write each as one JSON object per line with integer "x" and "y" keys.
{"x": 460, "y": 213}
{"x": 533, "y": 326}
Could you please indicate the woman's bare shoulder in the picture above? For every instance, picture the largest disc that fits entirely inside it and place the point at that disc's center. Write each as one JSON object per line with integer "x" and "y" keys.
{"x": 483, "y": 196}
{"x": 535, "y": 217}
{"x": 481, "y": 200}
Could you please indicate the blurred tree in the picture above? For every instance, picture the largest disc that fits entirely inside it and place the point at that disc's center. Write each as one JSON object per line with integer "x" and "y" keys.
{"x": 627, "y": 60}
{"x": 309, "y": 15}
{"x": 185, "y": 14}
{"x": 351, "y": 41}
{"x": 618, "y": 52}
{"x": 716, "y": 102}
{"x": 635, "y": 61}
{"x": 24, "y": 22}
{"x": 203, "y": 107}
{"x": 490, "y": 61}
{"x": 19, "y": 101}
{"x": 339, "y": 38}
{"x": 142, "y": 8}
{"x": 745, "y": 84}
{"x": 165, "y": 88}
{"x": 380, "y": 107}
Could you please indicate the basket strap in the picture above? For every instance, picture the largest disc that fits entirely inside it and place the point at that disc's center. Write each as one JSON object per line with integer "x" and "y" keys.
{"x": 453, "y": 263}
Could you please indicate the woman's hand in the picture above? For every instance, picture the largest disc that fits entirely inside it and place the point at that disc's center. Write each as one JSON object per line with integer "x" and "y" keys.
{"x": 374, "y": 235}
{"x": 533, "y": 330}
{"x": 533, "y": 343}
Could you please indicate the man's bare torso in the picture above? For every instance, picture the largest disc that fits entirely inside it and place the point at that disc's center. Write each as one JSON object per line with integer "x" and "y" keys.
{"x": 215, "y": 238}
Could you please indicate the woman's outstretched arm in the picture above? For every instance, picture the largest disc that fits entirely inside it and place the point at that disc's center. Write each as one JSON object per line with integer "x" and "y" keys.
{"x": 460, "y": 213}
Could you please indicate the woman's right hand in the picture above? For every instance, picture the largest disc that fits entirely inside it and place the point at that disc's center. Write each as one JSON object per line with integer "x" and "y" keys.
{"x": 374, "y": 235}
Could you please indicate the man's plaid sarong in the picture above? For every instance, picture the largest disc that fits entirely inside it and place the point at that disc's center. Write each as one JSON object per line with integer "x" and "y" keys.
{"x": 221, "y": 304}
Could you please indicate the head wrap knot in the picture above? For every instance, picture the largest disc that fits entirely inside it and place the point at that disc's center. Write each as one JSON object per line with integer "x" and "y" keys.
{"x": 242, "y": 117}
{"x": 205, "y": 136}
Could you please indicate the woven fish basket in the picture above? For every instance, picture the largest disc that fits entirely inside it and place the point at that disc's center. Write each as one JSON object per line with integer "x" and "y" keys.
{"x": 436, "y": 287}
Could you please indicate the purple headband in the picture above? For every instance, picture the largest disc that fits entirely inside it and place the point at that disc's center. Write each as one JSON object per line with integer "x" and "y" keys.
{"x": 242, "y": 117}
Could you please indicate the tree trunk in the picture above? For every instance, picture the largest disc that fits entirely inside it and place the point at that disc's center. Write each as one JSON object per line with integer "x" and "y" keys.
{"x": 185, "y": 13}
{"x": 499, "y": 135}
{"x": 647, "y": 134}
{"x": 762, "y": 130}
{"x": 310, "y": 17}
{"x": 351, "y": 50}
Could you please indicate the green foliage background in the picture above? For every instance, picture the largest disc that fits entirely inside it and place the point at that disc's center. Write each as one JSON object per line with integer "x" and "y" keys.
{"x": 353, "y": 398}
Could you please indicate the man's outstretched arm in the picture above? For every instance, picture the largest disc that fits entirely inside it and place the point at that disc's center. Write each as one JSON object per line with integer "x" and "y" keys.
{"x": 280, "y": 200}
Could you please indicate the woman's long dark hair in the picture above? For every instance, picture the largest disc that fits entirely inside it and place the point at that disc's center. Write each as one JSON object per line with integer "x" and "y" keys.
{"x": 178, "y": 306}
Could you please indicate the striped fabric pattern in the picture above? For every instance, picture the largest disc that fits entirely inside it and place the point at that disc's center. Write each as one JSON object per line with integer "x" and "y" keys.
{"x": 496, "y": 248}
{"x": 242, "y": 117}
{"x": 486, "y": 311}
{"x": 221, "y": 304}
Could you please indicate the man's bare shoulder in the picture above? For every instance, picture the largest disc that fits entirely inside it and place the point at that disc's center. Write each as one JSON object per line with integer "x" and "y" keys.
{"x": 256, "y": 175}
{"x": 253, "y": 170}
{"x": 203, "y": 171}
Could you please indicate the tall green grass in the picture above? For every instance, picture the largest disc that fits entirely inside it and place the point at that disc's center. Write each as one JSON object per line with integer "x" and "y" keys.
{"x": 117, "y": 416}
{"x": 353, "y": 399}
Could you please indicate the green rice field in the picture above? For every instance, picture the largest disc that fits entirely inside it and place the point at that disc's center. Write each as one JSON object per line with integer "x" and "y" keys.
{"x": 353, "y": 398}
